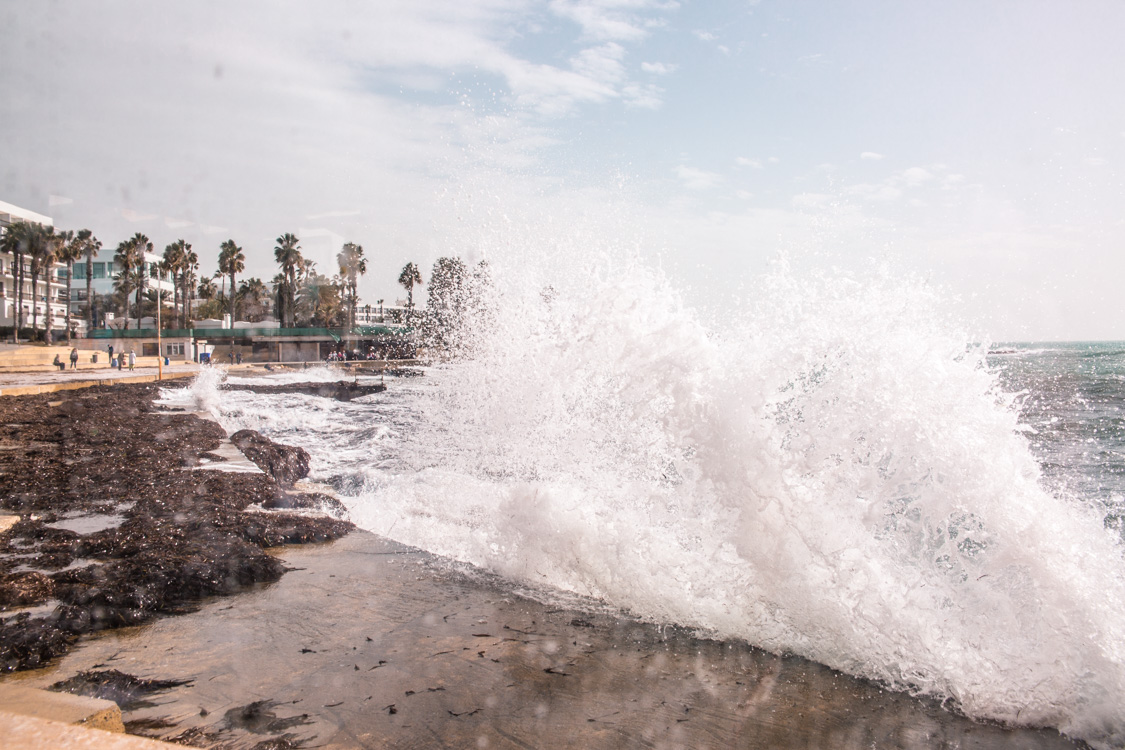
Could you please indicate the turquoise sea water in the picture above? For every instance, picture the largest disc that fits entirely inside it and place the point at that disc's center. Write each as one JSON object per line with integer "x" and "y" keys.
{"x": 1073, "y": 402}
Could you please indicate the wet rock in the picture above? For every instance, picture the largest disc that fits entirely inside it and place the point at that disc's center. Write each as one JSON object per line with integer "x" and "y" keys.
{"x": 125, "y": 690}
{"x": 28, "y": 643}
{"x": 25, "y": 589}
{"x": 260, "y": 717}
{"x": 185, "y": 535}
{"x": 285, "y": 463}
{"x": 341, "y": 391}
{"x": 308, "y": 501}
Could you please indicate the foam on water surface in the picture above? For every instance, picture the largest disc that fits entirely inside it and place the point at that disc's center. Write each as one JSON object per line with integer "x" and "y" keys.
{"x": 833, "y": 471}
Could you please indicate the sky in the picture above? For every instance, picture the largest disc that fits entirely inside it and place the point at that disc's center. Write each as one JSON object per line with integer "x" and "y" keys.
{"x": 977, "y": 144}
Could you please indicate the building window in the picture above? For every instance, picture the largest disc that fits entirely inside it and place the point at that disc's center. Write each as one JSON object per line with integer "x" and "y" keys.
{"x": 99, "y": 270}
{"x": 174, "y": 349}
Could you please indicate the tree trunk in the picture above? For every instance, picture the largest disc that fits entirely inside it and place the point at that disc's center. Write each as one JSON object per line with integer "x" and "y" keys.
{"x": 20, "y": 320}
{"x": 140, "y": 288}
{"x": 69, "y": 274}
{"x": 89, "y": 292}
{"x": 175, "y": 302}
{"x": 34, "y": 301}
{"x": 17, "y": 292}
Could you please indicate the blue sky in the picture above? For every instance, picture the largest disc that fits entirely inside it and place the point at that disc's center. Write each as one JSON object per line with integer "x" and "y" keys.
{"x": 978, "y": 144}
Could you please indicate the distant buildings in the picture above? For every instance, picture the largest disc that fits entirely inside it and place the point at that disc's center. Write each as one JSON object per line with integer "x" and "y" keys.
{"x": 49, "y": 297}
{"x": 104, "y": 273}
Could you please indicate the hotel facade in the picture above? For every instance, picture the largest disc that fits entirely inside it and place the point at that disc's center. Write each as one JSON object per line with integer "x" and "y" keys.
{"x": 49, "y": 297}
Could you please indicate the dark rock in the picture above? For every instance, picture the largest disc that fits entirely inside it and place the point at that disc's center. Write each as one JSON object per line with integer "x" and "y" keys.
{"x": 259, "y": 717}
{"x": 24, "y": 589}
{"x": 28, "y": 643}
{"x": 341, "y": 391}
{"x": 185, "y": 536}
{"x": 307, "y": 501}
{"x": 125, "y": 690}
{"x": 285, "y": 463}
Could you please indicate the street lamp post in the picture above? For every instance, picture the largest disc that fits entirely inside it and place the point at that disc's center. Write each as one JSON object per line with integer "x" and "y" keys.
{"x": 159, "y": 359}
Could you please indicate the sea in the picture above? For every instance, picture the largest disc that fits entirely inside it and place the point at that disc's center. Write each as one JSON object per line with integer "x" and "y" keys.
{"x": 834, "y": 466}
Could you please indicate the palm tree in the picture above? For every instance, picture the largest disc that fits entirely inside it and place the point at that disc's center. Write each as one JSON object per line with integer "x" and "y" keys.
{"x": 42, "y": 244}
{"x": 13, "y": 242}
{"x": 90, "y": 246}
{"x": 170, "y": 264}
{"x": 138, "y": 270}
{"x": 188, "y": 270}
{"x": 124, "y": 282}
{"x": 231, "y": 261}
{"x": 206, "y": 288}
{"x": 319, "y": 299}
{"x": 352, "y": 266}
{"x": 408, "y": 278}
{"x": 68, "y": 253}
{"x": 289, "y": 258}
{"x": 278, "y": 284}
{"x": 253, "y": 296}
{"x": 157, "y": 296}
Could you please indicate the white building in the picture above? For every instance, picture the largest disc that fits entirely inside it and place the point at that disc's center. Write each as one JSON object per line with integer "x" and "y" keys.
{"x": 50, "y": 295}
{"x": 104, "y": 272}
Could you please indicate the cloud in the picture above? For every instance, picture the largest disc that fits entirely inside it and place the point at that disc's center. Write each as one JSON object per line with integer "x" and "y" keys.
{"x": 58, "y": 200}
{"x": 618, "y": 20}
{"x": 875, "y": 192}
{"x": 660, "y": 69}
{"x": 871, "y": 156}
{"x": 602, "y": 64}
{"x": 893, "y": 187}
{"x": 810, "y": 200}
{"x": 697, "y": 179}
{"x": 916, "y": 176}
{"x": 704, "y": 36}
{"x": 742, "y": 161}
{"x": 643, "y": 96}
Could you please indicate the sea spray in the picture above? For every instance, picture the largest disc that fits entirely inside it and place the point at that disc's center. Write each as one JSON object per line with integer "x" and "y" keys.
{"x": 835, "y": 473}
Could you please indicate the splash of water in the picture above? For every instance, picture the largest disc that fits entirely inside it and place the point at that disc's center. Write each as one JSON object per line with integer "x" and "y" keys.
{"x": 833, "y": 473}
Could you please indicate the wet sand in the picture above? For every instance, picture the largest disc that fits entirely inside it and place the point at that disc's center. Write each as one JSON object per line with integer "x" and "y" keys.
{"x": 366, "y": 643}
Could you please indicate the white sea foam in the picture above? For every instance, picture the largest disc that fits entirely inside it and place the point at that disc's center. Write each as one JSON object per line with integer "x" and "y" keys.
{"x": 832, "y": 472}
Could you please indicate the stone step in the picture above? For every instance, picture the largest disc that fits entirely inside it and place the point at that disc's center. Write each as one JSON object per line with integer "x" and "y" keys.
{"x": 94, "y": 713}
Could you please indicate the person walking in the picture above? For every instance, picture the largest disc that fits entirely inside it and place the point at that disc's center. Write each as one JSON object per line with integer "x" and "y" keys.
{"x": 74, "y": 358}
{"x": 121, "y": 360}
{"x": 132, "y": 358}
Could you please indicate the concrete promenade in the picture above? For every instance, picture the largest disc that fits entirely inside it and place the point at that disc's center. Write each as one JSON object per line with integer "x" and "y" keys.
{"x": 27, "y": 383}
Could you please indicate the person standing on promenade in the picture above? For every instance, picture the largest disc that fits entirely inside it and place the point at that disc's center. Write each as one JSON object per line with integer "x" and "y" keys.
{"x": 121, "y": 360}
{"x": 132, "y": 358}
{"x": 74, "y": 358}
{"x": 111, "y": 356}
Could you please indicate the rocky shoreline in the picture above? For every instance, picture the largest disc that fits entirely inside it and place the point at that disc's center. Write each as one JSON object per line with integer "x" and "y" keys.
{"x": 359, "y": 643}
{"x": 116, "y": 525}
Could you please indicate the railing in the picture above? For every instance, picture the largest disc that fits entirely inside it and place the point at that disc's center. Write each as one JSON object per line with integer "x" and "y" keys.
{"x": 337, "y": 334}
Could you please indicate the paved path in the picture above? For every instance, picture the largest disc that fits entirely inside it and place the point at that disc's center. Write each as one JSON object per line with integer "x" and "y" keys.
{"x": 24, "y": 383}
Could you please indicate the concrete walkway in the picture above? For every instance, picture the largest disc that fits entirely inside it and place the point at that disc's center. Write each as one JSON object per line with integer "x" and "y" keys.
{"x": 26, "y": 383}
